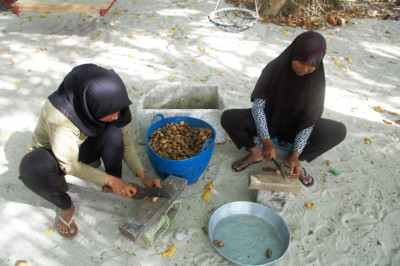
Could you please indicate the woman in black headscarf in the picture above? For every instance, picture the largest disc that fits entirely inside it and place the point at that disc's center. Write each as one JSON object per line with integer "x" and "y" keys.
{"x": 80, "y": 123}
{"x": 288, "y": 101}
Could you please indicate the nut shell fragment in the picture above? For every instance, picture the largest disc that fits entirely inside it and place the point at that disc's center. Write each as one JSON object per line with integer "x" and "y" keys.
{"x": 268, "y": 253}
{"x": 218, "y": 243}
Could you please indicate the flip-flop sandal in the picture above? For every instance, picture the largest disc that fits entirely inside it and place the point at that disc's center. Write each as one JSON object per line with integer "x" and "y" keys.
{"x": 68, "y": 224}
{"x": 306, "y": 176}
{"x": 240, "y": 162}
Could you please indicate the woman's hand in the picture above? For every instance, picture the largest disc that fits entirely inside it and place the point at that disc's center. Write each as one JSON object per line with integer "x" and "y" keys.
{"x": 293, "y": 162}
{"x": 119, "y": 186}
{"x": 268, "y": 150}
{"x": 149, "y": 182}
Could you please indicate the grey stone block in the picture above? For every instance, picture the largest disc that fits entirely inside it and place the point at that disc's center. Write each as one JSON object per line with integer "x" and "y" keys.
{"x": 201, "y": 101}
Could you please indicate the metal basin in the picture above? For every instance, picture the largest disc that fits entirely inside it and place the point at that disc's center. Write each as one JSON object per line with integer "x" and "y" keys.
{"x": 247, "y": 230}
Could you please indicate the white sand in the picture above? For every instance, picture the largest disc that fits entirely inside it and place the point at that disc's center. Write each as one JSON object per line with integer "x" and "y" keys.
{"x": 356, "y": 219}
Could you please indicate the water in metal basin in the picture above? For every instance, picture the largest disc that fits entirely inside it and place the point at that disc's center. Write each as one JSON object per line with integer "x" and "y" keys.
{"x": 246, "y": 238}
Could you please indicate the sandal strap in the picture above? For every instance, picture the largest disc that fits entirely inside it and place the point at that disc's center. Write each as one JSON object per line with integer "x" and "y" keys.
{"x": 68, "y": 224}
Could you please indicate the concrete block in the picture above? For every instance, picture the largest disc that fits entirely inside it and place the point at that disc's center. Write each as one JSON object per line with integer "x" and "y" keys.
{"x": 200, "y": 101}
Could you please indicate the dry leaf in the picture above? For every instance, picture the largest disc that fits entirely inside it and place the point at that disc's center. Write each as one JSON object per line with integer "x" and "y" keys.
{"x": 338, "y": 63}
{"x": 285, "y": 32}
{"x": 11, "y": 62}
{"x": 169, "y": 252}
{"x": 135, "y": 88}
{"x": 378, "y": 109}
{"x": 397, "y": 122}
{"x": 209, "y": 186}
{"x": 365, "y": 125}
{"x": 171, "y": 77}
{"x": 394, "y": 114}
{"x": 201, "y": 48}
{"x": 220, "y": 71}
{"x": 204, "y": 79}
{"x": 334, "y": 57}
{"x": 182, "y": 27}
{"x": 38, "y": 50}
{"x": 245, "y": 75}
{"x": 373, "y": 56}
{"x": 386, "y": 122}
{"x": 172, "y": 30}
{"x": 349, "y": 59}
{"x": 138, "y": 16}
{"x": 143, "y": 94}
{"x": 44, "y": 15}
{"x": 367, "y": 140}
{"x": 21, "y": 263}
{"x": 328, "y": 162}
{"x": 206, "y": 195}
{"x": 48, "y": 231}
{"x": 16, "y": 83}
{"x": 310, "y": 206}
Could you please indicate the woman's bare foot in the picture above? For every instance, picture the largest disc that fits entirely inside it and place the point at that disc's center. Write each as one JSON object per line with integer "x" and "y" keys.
{"x": 254, "y": 156}
{"x": 66, "y": 225}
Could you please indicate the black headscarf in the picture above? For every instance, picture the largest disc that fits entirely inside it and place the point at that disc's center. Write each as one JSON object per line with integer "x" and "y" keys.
{"x": 90, "y": 92}
{"x": 293, "y": 102}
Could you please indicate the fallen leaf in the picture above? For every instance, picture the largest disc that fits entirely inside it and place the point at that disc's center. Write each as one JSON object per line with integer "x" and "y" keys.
{"x": 21, "y": 263}
{"x": 143, "y": 94}
{"x": 209, "y": 186}
{"x": 397, "y": 122}
{"x": 328, "y": 162}
{"x": 172, "y": 30}
{"x": 310, "y": 206}
{"x": 285, "y": 32}
{"x": 388, "y": 32}
{"x": 386, "y": 122}
{"x": 349, "y": 59}
{"x": 16, "y": 83}
{"x": 44, "y": 15}
{"x": 373, "y": 56}
{"x": 220, "y": 71}
{"x": 206, "y": 195}
{"x": 135, "y": 88}
{"x": 201, "y": 48}
{"x": 334, "y": 57}
{"x": 365, "y": 125}
{"x": 338, "y": 63}
{"x": 182, "y": 27}
{"x": 367, "y": 140}
{"x": 11, "y": 62}
{"x": 37, "y": 50}
{"x": 169, "y": 252}
{"x": 245, "y": 75}
{"x": 378, "y": 109}
{"x": 138, "y": 16}
{"x": 48, "y": 231}
{"x": 394, "y": 114}
{"x": 171, "y": 77}
{"x": 204, "y": 79}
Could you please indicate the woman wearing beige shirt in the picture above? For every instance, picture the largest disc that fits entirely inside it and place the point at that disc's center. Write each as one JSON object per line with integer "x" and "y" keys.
{"x": 81, "y": 122}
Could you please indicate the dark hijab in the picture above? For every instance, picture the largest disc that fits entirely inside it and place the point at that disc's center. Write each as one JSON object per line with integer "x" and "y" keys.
{"x": 90, "y": 92}
{"x": 293, "y": 102}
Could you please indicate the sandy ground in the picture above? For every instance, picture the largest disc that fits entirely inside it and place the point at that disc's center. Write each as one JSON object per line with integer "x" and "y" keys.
{"x": 151, "y": 43}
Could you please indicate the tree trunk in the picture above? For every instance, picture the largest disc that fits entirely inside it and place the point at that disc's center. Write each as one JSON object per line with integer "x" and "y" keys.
{"x": 272, "y": 7}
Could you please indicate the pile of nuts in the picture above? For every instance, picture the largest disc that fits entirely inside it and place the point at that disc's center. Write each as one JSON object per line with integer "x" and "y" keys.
{"x": 179, "y": 141}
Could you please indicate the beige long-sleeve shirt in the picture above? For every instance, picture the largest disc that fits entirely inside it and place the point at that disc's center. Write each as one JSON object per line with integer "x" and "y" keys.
{"x": 54, "y": 131}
